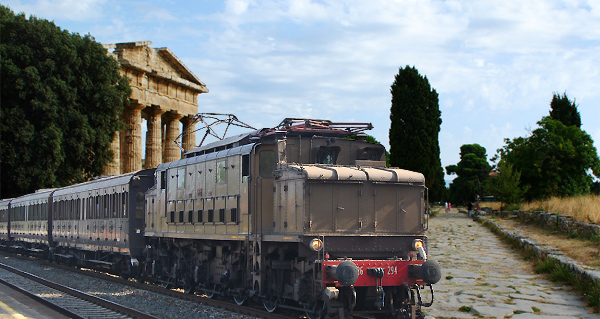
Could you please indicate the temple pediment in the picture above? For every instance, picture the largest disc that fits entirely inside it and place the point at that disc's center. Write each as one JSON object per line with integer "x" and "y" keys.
{"x": 160, "y": 63}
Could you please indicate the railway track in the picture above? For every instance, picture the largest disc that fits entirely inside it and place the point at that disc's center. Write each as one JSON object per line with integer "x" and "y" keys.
{"x": 215, "y": 302}
{"x": 65, "y": 300}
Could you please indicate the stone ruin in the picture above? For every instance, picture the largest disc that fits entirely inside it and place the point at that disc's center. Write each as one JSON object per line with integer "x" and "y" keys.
{"x": 165, "y": 93}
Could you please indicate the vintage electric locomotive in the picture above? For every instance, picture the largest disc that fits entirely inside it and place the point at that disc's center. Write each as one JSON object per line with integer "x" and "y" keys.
{"x": 303, "y": 216}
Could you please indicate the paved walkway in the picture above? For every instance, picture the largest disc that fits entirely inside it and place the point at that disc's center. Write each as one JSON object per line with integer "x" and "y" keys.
{"x": 488, "y": 279}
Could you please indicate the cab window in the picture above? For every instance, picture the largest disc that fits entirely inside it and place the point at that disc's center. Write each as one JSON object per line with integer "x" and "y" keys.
{"x": 266, "y": 163}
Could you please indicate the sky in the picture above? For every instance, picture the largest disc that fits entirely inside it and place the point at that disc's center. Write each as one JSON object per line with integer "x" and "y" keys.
{"x": 494, "y": 64}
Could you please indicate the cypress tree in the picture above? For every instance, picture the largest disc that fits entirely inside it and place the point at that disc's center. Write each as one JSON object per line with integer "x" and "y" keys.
{"x": 562, "y": 109}
{"x": 415, "y": 125}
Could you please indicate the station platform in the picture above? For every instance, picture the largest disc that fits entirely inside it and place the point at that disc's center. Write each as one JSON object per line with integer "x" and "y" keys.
{"x": 14, "y": 305}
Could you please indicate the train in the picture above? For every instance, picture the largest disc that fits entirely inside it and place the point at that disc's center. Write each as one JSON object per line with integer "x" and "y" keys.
{"x": 303, "y": 216}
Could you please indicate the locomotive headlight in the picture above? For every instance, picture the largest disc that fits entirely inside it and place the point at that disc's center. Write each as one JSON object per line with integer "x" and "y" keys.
{"x": 316, "y": 244}
{"x": 418, "y": 246}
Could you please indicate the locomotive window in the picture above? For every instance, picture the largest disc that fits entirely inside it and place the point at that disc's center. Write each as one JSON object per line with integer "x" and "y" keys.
{"x": 222, "y": 215}
{"x": 181, "y": 216}
{"x": 245, "y": 165}
{"x": 327, "y": 155}
{"x": 211, "y": 215}
{"x": 234, "y": 215}
{"x": 370, "y": 153}
{"x": 190, "y": 216}
{"x": 200, "y": 213}
{"x": 221, "y": 172}
{"x": 266, "y": 163}
{"x": 163, "y": 179}
{"x": 139, "y": 205}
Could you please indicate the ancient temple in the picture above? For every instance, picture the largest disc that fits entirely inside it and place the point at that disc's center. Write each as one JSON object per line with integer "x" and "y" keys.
{"x": 165, "y": 93}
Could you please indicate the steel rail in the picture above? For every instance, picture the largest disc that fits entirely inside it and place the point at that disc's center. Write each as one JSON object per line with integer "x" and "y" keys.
{"x": 98, "y": 302}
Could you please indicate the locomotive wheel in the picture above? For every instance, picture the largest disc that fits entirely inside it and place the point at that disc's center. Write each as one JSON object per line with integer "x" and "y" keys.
{"x": 166, "y": 284}
{"x": 270, "y": 304}
{"x": 210, "y": 291}
{"x": 188, "y": 287}
{"x": 316, "y": 311}
{"x": 239, "y": 298}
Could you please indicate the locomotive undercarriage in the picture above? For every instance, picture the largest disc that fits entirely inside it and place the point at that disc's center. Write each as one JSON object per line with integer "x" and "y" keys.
{"x": 269, "y": 274}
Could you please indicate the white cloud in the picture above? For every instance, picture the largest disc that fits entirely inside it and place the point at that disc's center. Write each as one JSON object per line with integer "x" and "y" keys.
{"x": 495, "y": 66}
{"x": 74, "y": 10}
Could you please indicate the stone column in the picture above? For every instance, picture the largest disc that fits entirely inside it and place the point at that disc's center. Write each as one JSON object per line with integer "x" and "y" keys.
{"x": 189, "y": 136}
{"x": 114, "y": 167}
{"x": 172, "y": 151}
{"x": 154, "y": 137}
{"x": 131, "y": 139}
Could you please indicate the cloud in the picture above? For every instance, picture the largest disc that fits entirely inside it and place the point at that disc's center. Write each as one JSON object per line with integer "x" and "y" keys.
{"x": 73, "y": 10}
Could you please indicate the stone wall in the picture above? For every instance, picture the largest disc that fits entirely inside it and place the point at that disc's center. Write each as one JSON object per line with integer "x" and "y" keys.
{"x": 550, "y": 220}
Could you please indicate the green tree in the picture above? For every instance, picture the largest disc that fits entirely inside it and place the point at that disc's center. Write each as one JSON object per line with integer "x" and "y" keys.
{"x": 415, "y": 125}
{"x": 62, "y": 97}
{"x": 472, "y": 170}
{"x": 506, "y": 184}
{"x": 562, "y": 109}
{"x": 554, "y": 161}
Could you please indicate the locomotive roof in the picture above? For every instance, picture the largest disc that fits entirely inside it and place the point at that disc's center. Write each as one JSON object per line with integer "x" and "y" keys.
{"x": 194, "y": 158}
{"x": 288, "y": 127}
{"x": 226, "y": 143}
{"x": 373, "y": 174}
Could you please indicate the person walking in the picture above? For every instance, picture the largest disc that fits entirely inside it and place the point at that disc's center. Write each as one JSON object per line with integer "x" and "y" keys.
{"x": 470, "y": 208}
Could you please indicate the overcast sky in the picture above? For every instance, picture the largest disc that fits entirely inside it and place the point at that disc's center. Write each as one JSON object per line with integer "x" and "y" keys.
{"x": 494, "y": 64}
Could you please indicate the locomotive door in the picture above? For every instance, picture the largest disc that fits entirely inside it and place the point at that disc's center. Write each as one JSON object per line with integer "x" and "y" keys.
{"x": 262, "y": 170}
{"x": 263, "y": 165}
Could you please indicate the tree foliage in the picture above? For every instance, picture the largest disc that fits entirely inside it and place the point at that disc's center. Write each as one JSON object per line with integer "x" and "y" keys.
{"x": 62, "y": 97}
{"x": 565, "y": 111}
{"x": 506, "y": 184}
{"x": 554, "y": 161}
{"x": 415, "y": 125}
{"x": 472, "y": 171}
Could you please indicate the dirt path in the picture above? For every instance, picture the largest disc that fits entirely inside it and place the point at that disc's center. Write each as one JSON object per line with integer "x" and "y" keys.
{"x": 483, "y": 277}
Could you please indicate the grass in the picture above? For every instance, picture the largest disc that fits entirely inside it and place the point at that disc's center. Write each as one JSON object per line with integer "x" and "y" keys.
{"x": 465, "y": 308}
{"x": 583, "y": 248}
{"x": 583, "y": 208}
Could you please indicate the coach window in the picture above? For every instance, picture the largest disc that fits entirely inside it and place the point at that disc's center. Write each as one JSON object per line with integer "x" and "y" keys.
{"x": 124, "y": 203}
{"x": 181, "y": 178}
{"x": 78, "y": 215}
{"x": 266, "y": 163}
{"x": 221, "y": 171}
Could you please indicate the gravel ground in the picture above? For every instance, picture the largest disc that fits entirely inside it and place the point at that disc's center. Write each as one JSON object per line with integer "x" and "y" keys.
{"x": 157, "y": 305}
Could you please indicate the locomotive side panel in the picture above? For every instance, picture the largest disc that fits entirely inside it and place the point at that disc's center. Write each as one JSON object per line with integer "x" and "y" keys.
{"x": 203, "y": 197}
